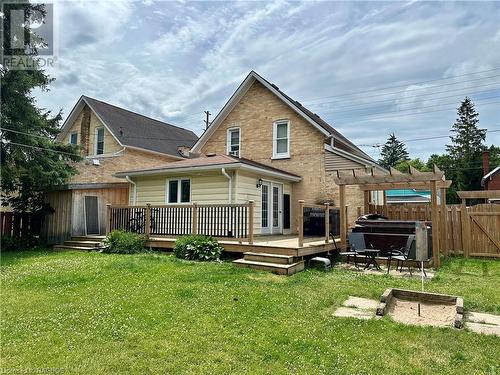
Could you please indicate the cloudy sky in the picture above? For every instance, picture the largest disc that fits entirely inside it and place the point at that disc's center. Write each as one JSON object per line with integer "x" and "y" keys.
{"x": 367, "y": 68}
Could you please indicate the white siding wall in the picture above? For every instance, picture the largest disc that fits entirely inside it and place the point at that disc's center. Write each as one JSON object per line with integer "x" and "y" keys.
{"x": 334, "y": 162}
{"x": 207, "y": 188}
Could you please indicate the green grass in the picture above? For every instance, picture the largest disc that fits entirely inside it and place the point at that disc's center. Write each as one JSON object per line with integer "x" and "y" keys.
{"x": 103, "y": 313}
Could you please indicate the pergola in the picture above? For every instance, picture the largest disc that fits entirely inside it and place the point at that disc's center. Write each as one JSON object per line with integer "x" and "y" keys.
{"x": 374, "y": 180}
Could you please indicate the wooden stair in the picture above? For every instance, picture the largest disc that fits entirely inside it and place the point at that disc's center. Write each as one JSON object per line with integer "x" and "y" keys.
{"x": 85, "y": 243}
{"x": 276, "y": 263}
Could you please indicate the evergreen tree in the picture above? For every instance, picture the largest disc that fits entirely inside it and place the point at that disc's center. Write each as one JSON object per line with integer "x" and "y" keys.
{"x": 418, "y": 164}
{"x": 31, "y": 162}
{"x": 465, "y": 150}
{"x": 393, "y": 152}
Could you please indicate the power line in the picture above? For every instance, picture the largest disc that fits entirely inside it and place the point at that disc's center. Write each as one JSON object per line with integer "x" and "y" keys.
{"x": 404, "y": 85}
{"x": 368, "y": 104}
{"x": 39, "y": 148}
{"x": 424, "y": 138}
{"x": 407, "y": 114}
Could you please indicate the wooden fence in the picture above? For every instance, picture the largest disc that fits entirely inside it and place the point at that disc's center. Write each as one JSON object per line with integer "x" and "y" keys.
{"x": 17, "y": 224}
{"x": 468, "y": 231}
{"x": 218, "y": 220}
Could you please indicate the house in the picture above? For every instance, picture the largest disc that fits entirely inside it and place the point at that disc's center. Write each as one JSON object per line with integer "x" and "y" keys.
{"x": 111, "y": 139}
{"x": 262, "y": 146}
{"x": 491, "y": 179}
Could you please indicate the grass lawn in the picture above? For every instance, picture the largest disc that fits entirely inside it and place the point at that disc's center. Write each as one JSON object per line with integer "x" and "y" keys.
{"x": 101, "y": 313}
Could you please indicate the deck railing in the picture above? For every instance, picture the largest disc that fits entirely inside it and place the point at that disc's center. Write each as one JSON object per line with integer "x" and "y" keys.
{"x": 300, "y": 222}
{"x": 217, "y": 220}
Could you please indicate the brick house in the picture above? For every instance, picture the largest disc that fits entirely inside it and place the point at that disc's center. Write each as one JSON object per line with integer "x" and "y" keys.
{"x": 111, "y": 139}
{"x": 491, "y": 179}
{"x": 262, "y": 146}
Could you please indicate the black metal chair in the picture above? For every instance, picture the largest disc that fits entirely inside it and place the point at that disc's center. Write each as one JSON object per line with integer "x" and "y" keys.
{"x": 347, "y": 254}
{"x": 400, "y": 256}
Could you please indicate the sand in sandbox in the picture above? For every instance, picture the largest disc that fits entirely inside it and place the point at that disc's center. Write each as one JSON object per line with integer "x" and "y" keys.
{"x": 433, "y": 314}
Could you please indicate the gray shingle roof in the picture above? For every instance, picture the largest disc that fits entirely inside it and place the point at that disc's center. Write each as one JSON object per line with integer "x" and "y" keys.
{"x": 135, "y": 130}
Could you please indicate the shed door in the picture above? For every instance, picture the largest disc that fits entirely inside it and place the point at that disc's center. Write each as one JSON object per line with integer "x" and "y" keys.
{"x": 91, "y": 215}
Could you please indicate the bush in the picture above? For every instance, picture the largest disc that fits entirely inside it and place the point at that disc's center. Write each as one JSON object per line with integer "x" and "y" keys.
{"x": 121, "y": 242}
{"x": 198, "y": 247}
{"x": 26, "y": 242}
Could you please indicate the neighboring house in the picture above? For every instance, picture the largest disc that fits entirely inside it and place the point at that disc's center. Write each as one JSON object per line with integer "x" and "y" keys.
{"x": 491, "y": 179}
{"x": 111, "y": 139}
{"x": 262, "y": 146}
{"x": 402, "y": 196}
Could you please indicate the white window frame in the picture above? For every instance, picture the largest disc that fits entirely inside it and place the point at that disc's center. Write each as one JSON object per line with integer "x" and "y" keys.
{"x": 71, "y": 135}
{"x": 103, "y": 140}
{"x": 228, "y": 140}
{"x": 179, "y": 189}
{"x": 283, "y": 155}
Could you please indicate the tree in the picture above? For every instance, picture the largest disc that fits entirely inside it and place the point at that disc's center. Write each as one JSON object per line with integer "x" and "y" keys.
{"x": 31, "y": 162}
{"x": 467, "y": 144}
{"x": 393, "y": 152}
{"x": 445, "y": 163}
{"x": 404, "y": 166}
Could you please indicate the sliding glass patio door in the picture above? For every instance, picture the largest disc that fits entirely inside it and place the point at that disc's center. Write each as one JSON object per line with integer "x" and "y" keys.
{"x": 272, "y": 208}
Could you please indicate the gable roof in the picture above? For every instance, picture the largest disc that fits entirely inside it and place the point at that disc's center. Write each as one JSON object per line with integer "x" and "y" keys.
{"x": 210, "y": 163}
{"x": 490, "y": 175}
{"x": 312, "y": 118}
{"x": 134, "y": 130}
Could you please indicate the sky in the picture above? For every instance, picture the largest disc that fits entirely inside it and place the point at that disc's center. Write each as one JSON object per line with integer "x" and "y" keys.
{"x": 368, "y": 68}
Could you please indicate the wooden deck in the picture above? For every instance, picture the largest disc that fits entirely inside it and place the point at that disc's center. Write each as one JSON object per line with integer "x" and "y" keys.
{"x": 279, "y": 244}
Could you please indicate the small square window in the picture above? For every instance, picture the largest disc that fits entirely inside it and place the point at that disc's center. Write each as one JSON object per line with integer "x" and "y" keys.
{"x": 178, "y": 191}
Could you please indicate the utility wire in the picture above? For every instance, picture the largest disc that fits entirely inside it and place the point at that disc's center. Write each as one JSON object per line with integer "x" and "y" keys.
{"x": 404, "y": 85}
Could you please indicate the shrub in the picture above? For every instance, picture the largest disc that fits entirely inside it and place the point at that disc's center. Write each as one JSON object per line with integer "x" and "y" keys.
{"x": 121, "y": 242}
{"x": 198, "y": 247}
{"x": 26, "y": 242}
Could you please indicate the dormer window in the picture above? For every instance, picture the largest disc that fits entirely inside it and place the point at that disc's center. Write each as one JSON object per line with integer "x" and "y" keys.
{"x": 233, "y": 142}
{"x": 281, "y": 139}
{"x": 73, "y": 138}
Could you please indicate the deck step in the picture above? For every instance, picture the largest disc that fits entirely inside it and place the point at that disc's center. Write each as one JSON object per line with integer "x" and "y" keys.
{"x": 69, "y": 247}
{"x": 280, "y": 269}
{"x": 83, "y": 243}
{"x": 88, "y": 238}
{"x": 269, "y": 258}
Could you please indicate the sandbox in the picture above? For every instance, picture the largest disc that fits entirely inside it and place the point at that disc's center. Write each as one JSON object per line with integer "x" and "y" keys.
{"x": 438, "y": 310}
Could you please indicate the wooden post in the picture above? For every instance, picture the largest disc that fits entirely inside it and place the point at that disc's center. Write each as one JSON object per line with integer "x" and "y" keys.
{"x": 346, "y": 218}
{"x": 444, "y": 222}
{"x": 464, "y": 216}
{"x": 366, "y": 202}
{"x": 251, "y": 209}
{"x": 385, "y": 211}
{"x": 359, "y": 211}
{"x": 343, "y": 219}
{"x": 194, "y": 224}
{"x": 327, "y": 222}
{"x": 435, "y": 224}
{"x": 108, "y": 218}
{"x": 147, "y": 227}
{"x": 300, "y": 223}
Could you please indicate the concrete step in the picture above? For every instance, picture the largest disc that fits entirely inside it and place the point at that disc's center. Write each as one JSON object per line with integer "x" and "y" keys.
{"x": 69, "y": 247}
{"x": 269, "y": 258}
{"x": 83, "y": 243}
{"x": 280, "y": 269}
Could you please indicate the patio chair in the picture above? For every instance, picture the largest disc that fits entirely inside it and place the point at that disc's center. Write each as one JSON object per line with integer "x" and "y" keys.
{"x": 400, "y": 255}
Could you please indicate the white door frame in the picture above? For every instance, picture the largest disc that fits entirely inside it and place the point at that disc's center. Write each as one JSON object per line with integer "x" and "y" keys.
{"x": 271, "y": 228}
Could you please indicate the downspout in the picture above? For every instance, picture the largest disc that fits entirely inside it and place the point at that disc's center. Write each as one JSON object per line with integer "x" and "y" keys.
{"x": 134, "y": 196}
{"x": 230, "y": 193}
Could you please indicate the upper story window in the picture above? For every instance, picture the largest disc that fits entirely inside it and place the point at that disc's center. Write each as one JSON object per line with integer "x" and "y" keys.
{"x": 233, "y": 142}
{"x": 178, "y": 191}
{"x": 99, "y": 144}
{"x": 281, "y": 139}
{"x": 73, "y": 138}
